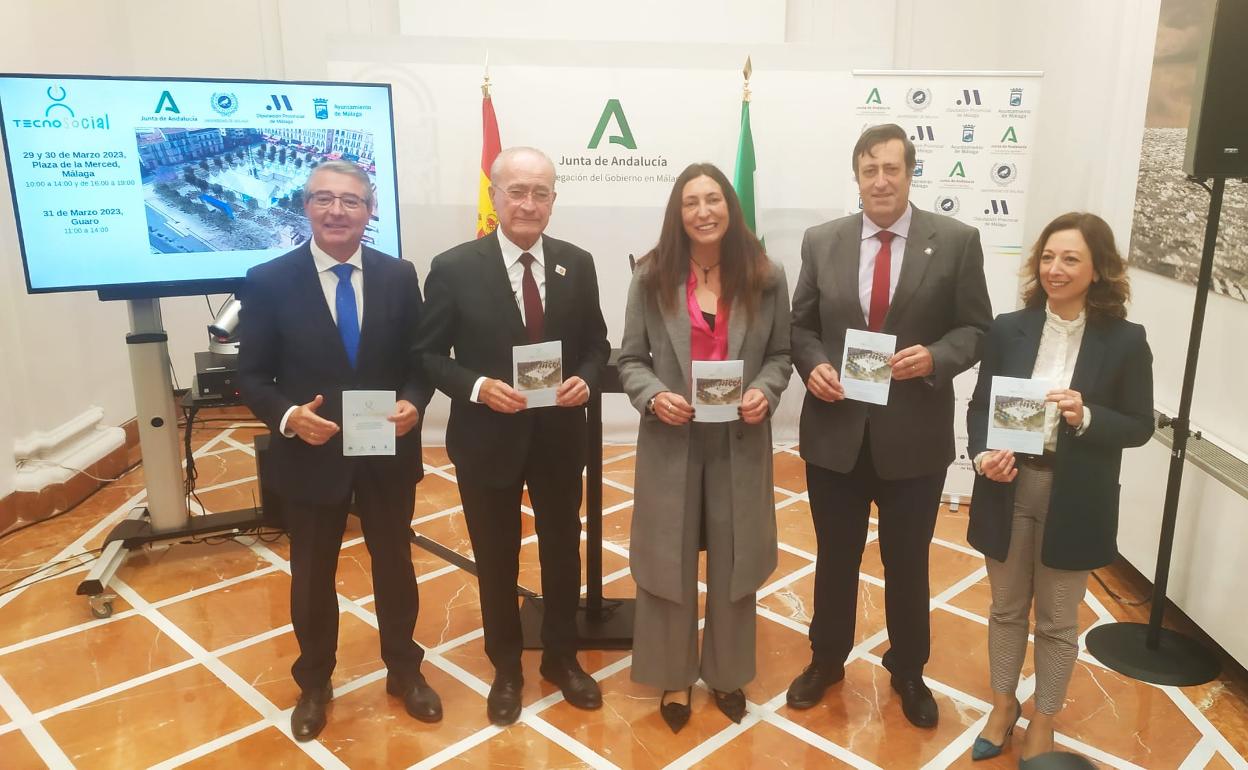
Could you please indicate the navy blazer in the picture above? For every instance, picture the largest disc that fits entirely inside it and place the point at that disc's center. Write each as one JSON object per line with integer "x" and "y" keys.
{"x": 470, "y": 309}
{"x": 290, "y": 351}
{"x": 1114, "y": 375}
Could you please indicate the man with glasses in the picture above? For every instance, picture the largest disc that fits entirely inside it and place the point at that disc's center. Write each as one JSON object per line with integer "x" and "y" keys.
{"x": 517, "y": 286}
{"x": 328, "y": 317}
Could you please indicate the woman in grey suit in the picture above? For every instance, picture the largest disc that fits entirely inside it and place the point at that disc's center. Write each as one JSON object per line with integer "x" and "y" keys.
{"x": 706, "y": 292}
{"x": 1044, "y": 521}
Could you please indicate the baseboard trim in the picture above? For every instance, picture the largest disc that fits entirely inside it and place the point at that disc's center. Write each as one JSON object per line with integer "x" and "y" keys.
{"x": 21, "y": 508}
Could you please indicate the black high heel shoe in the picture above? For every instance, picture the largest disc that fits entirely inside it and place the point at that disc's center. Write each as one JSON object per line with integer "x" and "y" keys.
{"x": 731, "y": 703}
{"x": 676, "y": 714}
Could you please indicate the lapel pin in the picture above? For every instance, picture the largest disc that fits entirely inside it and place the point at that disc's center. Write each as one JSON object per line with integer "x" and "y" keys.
{"x": 561, "y": 270}
{"x": 928, "y": 251}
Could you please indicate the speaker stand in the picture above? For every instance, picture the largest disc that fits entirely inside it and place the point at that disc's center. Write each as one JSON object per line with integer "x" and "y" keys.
{"x": 1151, "y": 653}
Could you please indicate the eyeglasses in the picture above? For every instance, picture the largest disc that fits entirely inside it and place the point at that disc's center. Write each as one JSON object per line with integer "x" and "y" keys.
{"x": 539, "y": 196}
{"x": 325, "y": 199}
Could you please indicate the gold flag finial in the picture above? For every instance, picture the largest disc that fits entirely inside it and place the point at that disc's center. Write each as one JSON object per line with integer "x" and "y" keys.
{"x": 747, "y": 70}
{"x": 485, "y": 84}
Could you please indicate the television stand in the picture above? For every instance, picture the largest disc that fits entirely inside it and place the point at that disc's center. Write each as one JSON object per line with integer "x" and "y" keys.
{"x": 165, "y": 516}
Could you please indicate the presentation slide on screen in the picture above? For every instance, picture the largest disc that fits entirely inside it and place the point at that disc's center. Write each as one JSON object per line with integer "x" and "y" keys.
{"x": 119, "y": 181}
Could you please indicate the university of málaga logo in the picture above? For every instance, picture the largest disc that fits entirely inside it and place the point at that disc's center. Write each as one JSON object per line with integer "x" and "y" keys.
{"x": 918, "y": 98}
{"x": 225, "y": 104}
{"x": 1004, "y": 174}
{"x": 947, "y": 204}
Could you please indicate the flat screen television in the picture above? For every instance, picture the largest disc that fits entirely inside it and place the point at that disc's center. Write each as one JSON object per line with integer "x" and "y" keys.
{"x": 147, "y": 187}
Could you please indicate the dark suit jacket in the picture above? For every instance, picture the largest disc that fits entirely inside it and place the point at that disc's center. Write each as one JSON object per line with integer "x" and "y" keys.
{"x": 941, "y": 301}
{"x": 1114, "y": 374}
{"x": 290, "y": 350}
{"x": 470, "y": 309}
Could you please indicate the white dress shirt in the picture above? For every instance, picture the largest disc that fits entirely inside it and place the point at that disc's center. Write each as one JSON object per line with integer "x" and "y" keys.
{"x": 1055, "y": 362}
{"x": 870, "y": 247}
{"x": 515, "y": 272}
{"x": 329, "y": 287}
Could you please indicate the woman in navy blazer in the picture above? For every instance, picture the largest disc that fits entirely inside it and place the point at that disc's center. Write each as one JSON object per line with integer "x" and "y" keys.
{"x": 1044, "y": 521}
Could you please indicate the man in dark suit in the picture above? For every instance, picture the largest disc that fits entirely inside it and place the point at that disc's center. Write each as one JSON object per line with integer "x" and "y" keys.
{"x": 517, "y": 286}
{"x": 328, "y": 317}
{"x": 897, "y": 270}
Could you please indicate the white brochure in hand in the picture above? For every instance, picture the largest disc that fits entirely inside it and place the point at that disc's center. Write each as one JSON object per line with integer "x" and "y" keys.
{"x": 1016, "y": 414}
{"x": 537, "y": 371}
{"x": 717, "y": 389}
{"x": 365, "y": 429}
{"x": 865, "y": 373}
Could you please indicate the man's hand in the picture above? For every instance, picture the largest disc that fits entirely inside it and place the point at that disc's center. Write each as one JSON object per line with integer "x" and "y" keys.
{"x": 305, "y": 423}
{"x": 754, "y": 406}
{"x": 998, "y": 465}
{"x": 1069, "y": 403}
{"x": 825, "y": 384}
{"x": 501, "y": 397}
{"x": 672, "y": 408}
{"x": 914, "y": 361}
{"x": 405, "y": 417}
{"x": 572, "y": 392}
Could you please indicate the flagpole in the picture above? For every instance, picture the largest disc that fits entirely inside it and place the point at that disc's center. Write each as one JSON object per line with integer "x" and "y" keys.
{"x": 747, "y": 70}
{"x": 485, "y": 84}
{"x": 743, "y": 174}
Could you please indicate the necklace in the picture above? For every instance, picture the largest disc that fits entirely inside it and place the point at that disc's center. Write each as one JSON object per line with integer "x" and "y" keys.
{"x": 706, "y": 271}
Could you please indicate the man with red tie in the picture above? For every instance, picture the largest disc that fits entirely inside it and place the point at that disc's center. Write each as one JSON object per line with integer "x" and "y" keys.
{"x": 919, "y": 276}
{"x": 517, "y": 286}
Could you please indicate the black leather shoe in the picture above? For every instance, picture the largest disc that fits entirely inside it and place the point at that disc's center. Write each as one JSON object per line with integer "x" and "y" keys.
{"x": 503, "y": 703}
{"x": 578, "y": 688}
{"x": 731, "y": 703}
{"x": 917, "y": 702}
{"x": 676, "y": 714}
{"x": 810, "y": 685}
{"x": 308, "y": 718}
{"x": 419, "y": 698}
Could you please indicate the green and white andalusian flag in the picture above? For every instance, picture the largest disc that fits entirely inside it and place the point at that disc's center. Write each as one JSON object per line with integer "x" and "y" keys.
{"x": 743, "y": 177}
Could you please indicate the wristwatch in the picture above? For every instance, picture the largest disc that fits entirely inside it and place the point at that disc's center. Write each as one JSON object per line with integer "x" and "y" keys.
{"x": 650, "y": 404}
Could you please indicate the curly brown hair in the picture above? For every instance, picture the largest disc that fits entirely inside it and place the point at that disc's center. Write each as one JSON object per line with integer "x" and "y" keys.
{"x": 1110, "y": 290}
{"x": 746, "y": 269}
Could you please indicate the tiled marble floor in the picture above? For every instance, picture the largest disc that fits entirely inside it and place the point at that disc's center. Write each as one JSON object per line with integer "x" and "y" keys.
{"x": 193, "y": 668}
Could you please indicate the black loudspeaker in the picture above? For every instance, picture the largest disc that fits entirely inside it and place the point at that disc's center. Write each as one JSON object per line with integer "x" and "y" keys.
{"x": 1217, "y": 135}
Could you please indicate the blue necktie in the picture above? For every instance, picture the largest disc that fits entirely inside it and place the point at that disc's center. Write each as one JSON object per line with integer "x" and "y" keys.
{"x": 348, "y": 316}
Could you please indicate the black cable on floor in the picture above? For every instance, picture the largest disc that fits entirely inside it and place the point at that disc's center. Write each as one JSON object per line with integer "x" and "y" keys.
{"x": 1120, "y": 599}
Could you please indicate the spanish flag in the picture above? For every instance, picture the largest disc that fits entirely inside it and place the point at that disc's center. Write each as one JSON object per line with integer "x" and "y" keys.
{"x": 487, "y": 218}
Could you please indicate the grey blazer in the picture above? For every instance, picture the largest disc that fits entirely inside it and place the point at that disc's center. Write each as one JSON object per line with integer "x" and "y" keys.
{"x": 655, "y": 357}
{"x": 941, "y": 301}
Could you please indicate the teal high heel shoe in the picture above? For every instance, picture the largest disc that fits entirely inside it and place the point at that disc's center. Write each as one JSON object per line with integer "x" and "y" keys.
{"x": 985, "y": 749}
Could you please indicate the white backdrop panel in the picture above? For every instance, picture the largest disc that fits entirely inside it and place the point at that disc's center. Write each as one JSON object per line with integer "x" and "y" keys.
{"x": 676, "y": 116}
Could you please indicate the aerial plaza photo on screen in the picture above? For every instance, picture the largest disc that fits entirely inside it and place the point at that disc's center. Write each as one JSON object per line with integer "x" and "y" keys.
{"x": 232, "y": 189}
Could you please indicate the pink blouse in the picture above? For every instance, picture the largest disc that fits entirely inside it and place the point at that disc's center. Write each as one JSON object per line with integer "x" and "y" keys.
{"x": 705, "y": 344}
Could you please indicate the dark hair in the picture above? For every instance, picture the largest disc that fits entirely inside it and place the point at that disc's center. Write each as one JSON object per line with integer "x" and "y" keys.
{"x": 874, "y": 136}
{"x": 744, "y": 267}
{"x": 1110, "y": 289}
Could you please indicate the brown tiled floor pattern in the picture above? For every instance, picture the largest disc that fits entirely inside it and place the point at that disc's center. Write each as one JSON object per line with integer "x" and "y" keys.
{"x": 192, "y": 670}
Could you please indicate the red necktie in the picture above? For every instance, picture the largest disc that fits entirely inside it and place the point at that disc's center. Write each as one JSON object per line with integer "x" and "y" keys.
{"x": 881, "y": 281}
{"x": 532, "y": 300}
